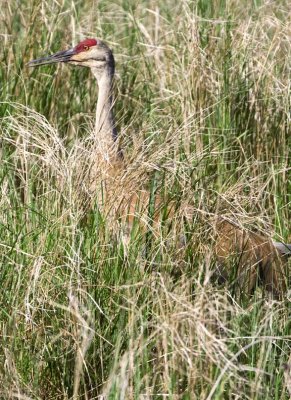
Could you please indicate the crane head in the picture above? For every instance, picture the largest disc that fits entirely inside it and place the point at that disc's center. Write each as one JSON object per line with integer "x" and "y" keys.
{"x": 91, "y": 53}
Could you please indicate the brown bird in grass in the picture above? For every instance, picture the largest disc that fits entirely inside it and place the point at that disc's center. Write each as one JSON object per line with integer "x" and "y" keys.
{"x": 257, "y": 257}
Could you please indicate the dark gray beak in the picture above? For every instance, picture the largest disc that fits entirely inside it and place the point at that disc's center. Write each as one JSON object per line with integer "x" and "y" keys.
{"x": 61, "y": 56}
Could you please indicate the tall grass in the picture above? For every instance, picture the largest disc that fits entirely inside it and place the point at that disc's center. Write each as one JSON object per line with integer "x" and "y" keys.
{"x": 203, "y": 110}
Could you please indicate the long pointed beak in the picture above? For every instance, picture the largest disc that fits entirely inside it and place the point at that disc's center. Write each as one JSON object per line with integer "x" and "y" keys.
{"x": 61, "y": 56}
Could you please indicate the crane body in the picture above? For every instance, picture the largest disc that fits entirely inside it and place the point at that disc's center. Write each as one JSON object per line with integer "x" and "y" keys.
{"x": 259, "y": 258}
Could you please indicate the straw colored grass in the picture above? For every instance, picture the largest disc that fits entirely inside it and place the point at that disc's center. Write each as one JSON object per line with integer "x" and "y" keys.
{"x": 88, "y": 309}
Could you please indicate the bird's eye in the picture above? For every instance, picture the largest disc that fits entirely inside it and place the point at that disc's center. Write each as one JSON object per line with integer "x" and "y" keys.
{"x": 86, "y": 48}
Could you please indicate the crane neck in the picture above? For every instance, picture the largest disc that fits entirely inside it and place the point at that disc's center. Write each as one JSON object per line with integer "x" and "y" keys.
{"x": 105, "y": 129}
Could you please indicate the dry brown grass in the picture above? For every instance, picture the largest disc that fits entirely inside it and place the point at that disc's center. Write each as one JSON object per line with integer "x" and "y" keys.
{"x": 203, "y": 107}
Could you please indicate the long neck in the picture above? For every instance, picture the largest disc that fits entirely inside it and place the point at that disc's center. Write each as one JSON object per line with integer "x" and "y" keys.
{"x": 105, "y": 129}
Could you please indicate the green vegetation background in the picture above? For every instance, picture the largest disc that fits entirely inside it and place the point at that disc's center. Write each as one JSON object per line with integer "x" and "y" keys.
{"x": 203, "y": 110}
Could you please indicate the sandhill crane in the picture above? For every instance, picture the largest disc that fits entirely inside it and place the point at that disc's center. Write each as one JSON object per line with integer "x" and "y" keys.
{"x": 96, "y": 55}
{"x": 259, "y": 257}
